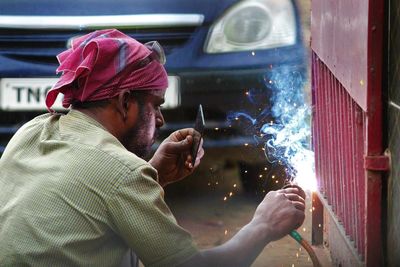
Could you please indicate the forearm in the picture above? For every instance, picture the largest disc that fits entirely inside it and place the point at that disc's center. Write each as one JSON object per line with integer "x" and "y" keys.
{"x": 241, "y": 250}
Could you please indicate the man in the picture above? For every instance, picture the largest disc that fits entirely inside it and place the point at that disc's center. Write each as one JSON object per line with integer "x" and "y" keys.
{"x": 75, "y": 190}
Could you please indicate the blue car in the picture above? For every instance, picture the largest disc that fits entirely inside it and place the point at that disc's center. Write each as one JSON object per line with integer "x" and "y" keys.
{"x": 219, "y": 52}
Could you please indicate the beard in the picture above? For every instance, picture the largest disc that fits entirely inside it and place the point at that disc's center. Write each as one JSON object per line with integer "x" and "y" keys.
{"x": 137, "y": 140}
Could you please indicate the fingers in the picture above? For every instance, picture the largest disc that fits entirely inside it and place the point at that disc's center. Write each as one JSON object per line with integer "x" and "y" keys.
{"x": 181, "y": 134}
{"x": 200, "y": 154}
{"x": 300, "y": 218}
{"x": 294, "y": 197}
{"x": 299, "y": 205}
{"x": 182, "y": 139}
{"x": 180, "y": 142}
{"x": 189, "y": 166}
{"x": 295, "y": 189}
{"x": 296, "y": 200}
{"x": 179, "y": 146}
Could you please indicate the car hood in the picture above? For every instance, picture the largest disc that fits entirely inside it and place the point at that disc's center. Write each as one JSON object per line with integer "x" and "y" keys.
{"x": 209, "y": 8}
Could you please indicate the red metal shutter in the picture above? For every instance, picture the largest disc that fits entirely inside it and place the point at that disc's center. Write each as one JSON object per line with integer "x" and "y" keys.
{"x": 347, "y": 38}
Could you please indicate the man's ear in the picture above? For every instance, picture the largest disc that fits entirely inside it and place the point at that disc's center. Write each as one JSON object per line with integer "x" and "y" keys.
{"x": 123, "y": 103}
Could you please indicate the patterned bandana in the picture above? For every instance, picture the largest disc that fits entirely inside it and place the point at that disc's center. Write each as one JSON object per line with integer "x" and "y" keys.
{"x": 99, "y": 66}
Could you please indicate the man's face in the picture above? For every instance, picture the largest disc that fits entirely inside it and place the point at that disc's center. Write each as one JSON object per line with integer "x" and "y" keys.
{"x": 142, "y": 135}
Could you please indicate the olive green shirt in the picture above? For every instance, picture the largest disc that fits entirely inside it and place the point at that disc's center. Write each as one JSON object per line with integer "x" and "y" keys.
{"x": 72, "y": 195}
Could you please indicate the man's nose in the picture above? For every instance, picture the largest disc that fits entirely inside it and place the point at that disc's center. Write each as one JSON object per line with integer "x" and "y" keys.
{"x": 159, "y": 119}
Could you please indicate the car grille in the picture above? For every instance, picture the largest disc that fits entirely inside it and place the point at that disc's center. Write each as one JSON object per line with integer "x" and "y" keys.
{"x": 42, "y": 46}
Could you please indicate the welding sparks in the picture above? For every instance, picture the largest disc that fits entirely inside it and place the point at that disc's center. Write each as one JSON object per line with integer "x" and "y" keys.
{"x": 286, "y": 136}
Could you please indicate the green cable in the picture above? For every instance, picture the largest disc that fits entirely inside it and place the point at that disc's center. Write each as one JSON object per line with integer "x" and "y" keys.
{"x": 296, "y": 236}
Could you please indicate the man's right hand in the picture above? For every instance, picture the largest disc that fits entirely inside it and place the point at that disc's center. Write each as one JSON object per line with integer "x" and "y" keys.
{"x": 280, "y": 212}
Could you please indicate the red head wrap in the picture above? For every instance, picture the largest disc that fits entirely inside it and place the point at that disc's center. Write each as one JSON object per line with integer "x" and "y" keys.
{"x": 97, "y": 67}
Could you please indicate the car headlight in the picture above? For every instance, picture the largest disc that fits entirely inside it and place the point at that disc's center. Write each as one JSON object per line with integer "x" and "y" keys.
{"x": 252, "y": 25}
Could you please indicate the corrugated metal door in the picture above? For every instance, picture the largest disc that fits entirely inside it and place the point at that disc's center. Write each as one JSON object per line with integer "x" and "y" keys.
{"x": 347, "y": 55}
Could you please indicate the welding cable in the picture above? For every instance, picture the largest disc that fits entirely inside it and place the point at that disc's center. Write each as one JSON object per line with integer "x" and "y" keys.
{"x": 296, "y": 236}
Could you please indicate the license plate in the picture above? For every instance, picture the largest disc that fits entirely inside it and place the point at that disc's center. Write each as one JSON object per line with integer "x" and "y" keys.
{"x": 19, "y": 94}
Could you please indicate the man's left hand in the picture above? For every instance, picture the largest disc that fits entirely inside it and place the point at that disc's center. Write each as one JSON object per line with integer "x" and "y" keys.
{"x": 172, "y": 159}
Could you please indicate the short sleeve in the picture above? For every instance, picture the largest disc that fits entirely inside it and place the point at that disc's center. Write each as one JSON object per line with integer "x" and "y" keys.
{"x": 144, "y": 221}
